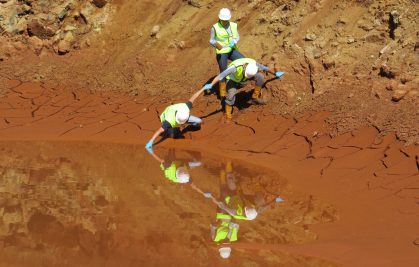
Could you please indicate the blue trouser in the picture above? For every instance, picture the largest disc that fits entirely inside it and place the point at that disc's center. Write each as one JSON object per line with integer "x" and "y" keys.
{"x": 222, "y": 59}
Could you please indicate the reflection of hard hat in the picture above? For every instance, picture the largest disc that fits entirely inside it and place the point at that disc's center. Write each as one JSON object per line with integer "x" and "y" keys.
{"x": 225, "y": 252}
{"x": 251, "y": 213}
{"x": 251, "y": 70}
{"x": 224, "y": 14}
{"x": 182, "y": 115}
{"x": 182, "y": 175}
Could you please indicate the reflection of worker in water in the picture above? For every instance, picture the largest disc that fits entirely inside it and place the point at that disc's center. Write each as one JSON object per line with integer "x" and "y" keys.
{"x": 176, "y": 169}
{"x": 234, "y": 206}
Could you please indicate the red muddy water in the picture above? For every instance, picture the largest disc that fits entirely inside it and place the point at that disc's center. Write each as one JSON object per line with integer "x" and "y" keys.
{"x": 93, "y": 204}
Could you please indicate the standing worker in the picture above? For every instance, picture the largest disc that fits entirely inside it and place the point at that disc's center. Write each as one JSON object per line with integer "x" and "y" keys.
{"x": 238, "y": 71}
{"x": 224, "y": 37}
{"x": 174, "y": 116}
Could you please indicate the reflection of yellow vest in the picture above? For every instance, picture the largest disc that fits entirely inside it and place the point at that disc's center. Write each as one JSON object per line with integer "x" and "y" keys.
{"x": 223, "y": 37}
{"x": 170, "y": 173}
{"x": 237, "y": 203}
{"x": 169, "y": 114}
{"x": 238, "y": 75}
{"x": 226, "y": 230}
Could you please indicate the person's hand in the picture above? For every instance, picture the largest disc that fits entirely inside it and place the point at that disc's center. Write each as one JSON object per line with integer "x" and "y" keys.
{"x": 221, "y": 205}
{"x": 279, "y": 74}
{"x": 232, "y": 44}
{"x": 278, "y": 199}
{"x": 218, "y": 46}
{"x": 208, "y": 86}
{"x": 149, "y": 146}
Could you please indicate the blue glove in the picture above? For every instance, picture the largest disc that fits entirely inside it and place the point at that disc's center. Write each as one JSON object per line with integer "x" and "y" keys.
{"x": 208, "y": 86}
{"x": 232, "y": 44}
{"x": 279, "y": 199}
{"x": 149, "y": 146}
{"x": 278, "y": 74}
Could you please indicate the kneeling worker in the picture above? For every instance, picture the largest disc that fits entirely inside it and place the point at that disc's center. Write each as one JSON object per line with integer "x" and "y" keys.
{"x": 174, "y": 116}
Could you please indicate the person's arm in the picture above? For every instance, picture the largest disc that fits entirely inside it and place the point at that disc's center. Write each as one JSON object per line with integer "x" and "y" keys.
{"x": 213, "y": 42}
{"x": 149, "y": 145}
{"x": 197, "y": 93}
{"x": 237, "y": 39}
{"x": 233, "y": 40}
{"x": 157, "y": 158}
{"x": 278, "y": 74}
{"x": 221, "y": 76}
{"x": 229, "y": 210}
{"x": 264, "y": 68}
{"x": 213, "y": 228}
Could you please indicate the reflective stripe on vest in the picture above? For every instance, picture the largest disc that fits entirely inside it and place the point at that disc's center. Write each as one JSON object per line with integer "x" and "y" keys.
{"x": 169, "y": 114}
{"x": 223, "y": 216}
{"x": 238, "y": 75}
{"x": 226, "y": 230}
{"x": 223, "y": 37}
{"x": 237, "y": 203}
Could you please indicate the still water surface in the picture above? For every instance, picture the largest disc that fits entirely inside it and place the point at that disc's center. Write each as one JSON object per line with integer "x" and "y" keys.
{"x": 94, "y": 204}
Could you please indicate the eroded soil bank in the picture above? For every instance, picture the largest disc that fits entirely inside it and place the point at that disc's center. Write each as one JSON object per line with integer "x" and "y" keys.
{"x": 370, "y": 180}
{"x": 354, "y": 59}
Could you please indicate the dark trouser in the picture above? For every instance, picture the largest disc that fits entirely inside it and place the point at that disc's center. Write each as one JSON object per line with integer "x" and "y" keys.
{"x": 233, "y": 86}
{"x": 222, "y": 59}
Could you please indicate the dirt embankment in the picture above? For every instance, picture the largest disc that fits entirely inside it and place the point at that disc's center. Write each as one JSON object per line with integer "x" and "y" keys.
{"x": 357, "y": 59}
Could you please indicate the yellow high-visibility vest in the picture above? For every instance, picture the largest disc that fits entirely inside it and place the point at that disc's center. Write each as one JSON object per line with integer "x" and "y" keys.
{"x": 238, "y": 76}
{"x": 223, "y": 37}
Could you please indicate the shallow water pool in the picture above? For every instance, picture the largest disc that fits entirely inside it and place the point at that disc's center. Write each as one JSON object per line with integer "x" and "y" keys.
{"x": 100, "y": 204}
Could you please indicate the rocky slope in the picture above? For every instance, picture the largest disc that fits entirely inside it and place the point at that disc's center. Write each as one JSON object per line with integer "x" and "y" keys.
{"x": 356, "y": 59}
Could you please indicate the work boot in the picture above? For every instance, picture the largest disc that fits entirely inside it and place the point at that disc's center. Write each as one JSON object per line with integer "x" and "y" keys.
{"x": 229, "y": 110}
{"x": 223, "y": 91}
{"x": 256, "y": 92}
{"x": 255, "y": 97}
{"x": 229, "y": 167}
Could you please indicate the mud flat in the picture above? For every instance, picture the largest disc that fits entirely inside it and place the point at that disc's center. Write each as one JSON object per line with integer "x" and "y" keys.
{"x": 370, "y": 181}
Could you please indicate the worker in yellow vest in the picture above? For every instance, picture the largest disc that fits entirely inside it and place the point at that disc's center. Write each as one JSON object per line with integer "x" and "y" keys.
{"x": 233, "y": 205}
{"x": 176, "y": 169}
{"x": 231, "y": 209}
{"x": 239, "y": 71}
{"x": 224, "y": 37}
{"x": 174, "y": 116}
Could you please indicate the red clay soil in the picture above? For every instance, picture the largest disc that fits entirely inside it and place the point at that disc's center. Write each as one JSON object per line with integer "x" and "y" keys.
{"x": 354, "y": 59}
{"x": 371, "y": 180}
{"x": 341, "y": 125}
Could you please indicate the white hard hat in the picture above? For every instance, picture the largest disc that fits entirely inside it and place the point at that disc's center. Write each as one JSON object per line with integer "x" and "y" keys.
{"x": 182, "y": 175}
{"x": 224, "y": 14}
{"x": 251, "y": 70}
{"x": 182, "y": 115}
{"x": 251, "y": 213}
{"x": 225, "y": 252}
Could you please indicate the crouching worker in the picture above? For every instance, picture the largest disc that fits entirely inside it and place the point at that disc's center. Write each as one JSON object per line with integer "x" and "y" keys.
{"x": 174, "y": 116}
{"x": 238, "y": 72}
